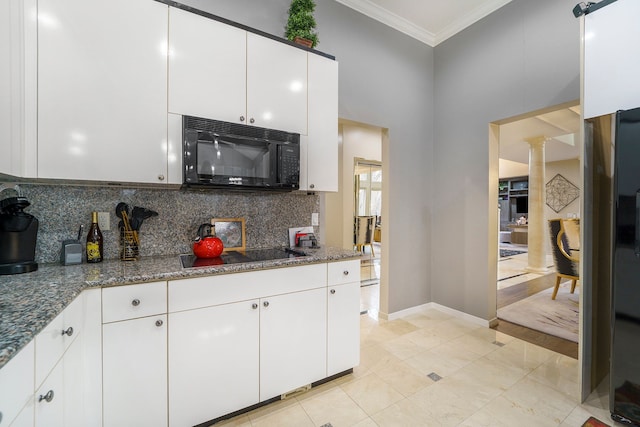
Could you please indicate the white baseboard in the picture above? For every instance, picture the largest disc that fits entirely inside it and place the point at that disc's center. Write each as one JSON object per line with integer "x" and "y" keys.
{"x": 432, "y": 305}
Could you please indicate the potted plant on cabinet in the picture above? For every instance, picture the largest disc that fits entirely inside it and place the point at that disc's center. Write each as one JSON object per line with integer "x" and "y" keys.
{"x": 301, "y": 23}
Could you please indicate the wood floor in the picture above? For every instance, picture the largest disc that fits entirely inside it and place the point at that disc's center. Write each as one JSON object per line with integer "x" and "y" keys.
{"x": 523, "y": 290}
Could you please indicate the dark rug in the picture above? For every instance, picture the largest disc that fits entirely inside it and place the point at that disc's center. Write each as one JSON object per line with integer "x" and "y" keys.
{"x": 509, "y": 252}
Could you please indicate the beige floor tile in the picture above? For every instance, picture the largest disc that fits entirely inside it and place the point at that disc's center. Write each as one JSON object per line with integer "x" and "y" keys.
{"x": 434, "y": 314}
{"x": 483, "y": 418}
{"x": 404, "y": 378}
{"x": 372, "y": 394}
{"x": 454, "y": 328}
{"x": 399, "y": 327}
{"x": 521, "y": 354}
{"x": 376, "y": 335}
{"x": 454, "y": 355}
{"x": 424, "y": 338}
{"x": 403, "y": 347}
{"x": 445, "y": 403}
{"x": 529, "y": 403}
{"x": 332, "y": 406}
{"x": 290, "y": 415}
{"x": 487, "y": 373}
{"x": 405, "y": 413}
{"x": 561, "y": 373}
{"x": 580, "y": 414}
{"x": 432, "y": 361}
{"x": 491, "y": 335}
{"x": 376, "y": 357}
{"x": 472, "y": 344}
{"x": 366, "y": 423}
{"x": 423, "y": 322}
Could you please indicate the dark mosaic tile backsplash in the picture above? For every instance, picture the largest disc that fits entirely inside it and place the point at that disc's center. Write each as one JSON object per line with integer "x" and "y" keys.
{"x": 61, "y": 209}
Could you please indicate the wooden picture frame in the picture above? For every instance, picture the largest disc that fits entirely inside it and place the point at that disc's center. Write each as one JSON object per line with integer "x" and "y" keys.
{"x": 232, "y": 233}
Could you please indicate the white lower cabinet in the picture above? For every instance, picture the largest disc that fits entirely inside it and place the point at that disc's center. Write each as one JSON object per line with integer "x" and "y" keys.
{"x": 213, "y": 361}
{"x": 50, "y": 399}
{"x": 343, "y": 327}
{"x": 293, "y": 331}
{"x": 134, "y": 368}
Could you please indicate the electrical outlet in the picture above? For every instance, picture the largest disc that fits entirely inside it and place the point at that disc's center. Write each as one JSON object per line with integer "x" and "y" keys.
{"x": 314, "y": 219}
{"x": 104, "y": 221}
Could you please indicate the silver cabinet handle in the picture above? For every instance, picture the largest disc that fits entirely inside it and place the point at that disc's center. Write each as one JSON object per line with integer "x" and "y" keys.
{"x": 47, "y": 397}
{"x": 0, "y": 417}
{"x": 160, "y": 177}
{"x": 242, "y": 118}
{"x": 266, "y": 303}
{"x": 346, "y": 272}
{"x": 252, "y": 120}
{"x": 333, "y": 291}
{"x": 68, "y": 332}
{"x": 159, "y": 323}
{"x": 312, "y": 186}
{"x": 254, "y": 305}
{"x": 135, "y": 302}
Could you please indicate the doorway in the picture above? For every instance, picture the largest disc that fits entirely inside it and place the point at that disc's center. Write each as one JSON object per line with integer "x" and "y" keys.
{"x": 368, "y": 206}
{"x": 522, "y": 286}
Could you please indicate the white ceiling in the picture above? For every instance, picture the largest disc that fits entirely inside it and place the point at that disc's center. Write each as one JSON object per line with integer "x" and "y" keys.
{"x": 560, "y": 127}
{"x": 430, "y": 21}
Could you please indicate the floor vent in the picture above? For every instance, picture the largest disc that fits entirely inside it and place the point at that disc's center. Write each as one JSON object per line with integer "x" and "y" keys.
{"x": 298, "y": 391}
{"x": 434, "y": 376}
{"x": 498, "y": 343}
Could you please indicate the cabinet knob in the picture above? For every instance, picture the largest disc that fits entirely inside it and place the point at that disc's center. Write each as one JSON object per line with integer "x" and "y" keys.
{"x": 333, "y": 291}
{"x": 161, "y": 177}
{"x": 135, "y": 302}
{"x": 312, "y": 186}
{"x": 242, "y": 118}
{"x": 159, "y": 323}
{"x": 252, "y": 120}
{"x": 68, "y": 332}
{"x": 254, "y": 305}
{"x": 47, "y": 397}
{"x": 0, "y": 417}
{"x": 266, "y": 303}
{"x": 346, "y": 272}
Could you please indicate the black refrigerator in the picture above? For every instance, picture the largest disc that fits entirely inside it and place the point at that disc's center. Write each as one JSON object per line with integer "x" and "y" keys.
{"x": 625, "y": 310}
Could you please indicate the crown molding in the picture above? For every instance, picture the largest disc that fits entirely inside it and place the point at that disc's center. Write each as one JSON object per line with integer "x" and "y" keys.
{"x": 469, "y": 19}
{"x": 380, "y": 14}
{"x": 372, "y": 10}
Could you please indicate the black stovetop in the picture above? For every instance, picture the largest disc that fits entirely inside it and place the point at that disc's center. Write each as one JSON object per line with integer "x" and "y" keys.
{"x": 236, "y": 257}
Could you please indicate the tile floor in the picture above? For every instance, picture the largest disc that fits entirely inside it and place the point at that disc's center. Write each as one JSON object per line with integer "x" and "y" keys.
{"x": 488, "y": 379}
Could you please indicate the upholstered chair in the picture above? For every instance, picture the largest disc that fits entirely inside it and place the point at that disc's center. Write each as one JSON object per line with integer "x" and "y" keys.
{"x": 566, "y": 259}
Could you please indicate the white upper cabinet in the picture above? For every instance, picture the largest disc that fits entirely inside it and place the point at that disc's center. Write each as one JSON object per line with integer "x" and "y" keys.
{"x": 102, "y": 90}
{"x": 319, "y": 150}
{"x": 611, "y": 63}
{"x": 276, "y": 85}
{"x": 207, "y": 67}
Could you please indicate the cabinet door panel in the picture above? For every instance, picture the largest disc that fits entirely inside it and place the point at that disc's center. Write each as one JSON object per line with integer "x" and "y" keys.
{"x": 276, "y": 85}
{"x": 293, "y": 337}
{"x": 207, "y": 67}
{"x": 135, "y": 372}
{"x": 102, "y": 90}
{"x": 51, "y": 413}
{"x": 213, "y": 362}
{"x": 343, "y": 330}
{"x": 322, "y": 143}
{"x": 16, "y": 383}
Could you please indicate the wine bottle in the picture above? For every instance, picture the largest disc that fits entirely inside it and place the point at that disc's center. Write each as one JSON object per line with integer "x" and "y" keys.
{"x": 94, "y": 240}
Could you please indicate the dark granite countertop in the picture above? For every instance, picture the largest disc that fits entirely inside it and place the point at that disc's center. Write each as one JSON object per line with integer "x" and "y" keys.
{"x": 30, "y": 301}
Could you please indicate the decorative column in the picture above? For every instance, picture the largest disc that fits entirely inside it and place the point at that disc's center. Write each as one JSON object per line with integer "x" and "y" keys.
{"x": 537, "y": 195}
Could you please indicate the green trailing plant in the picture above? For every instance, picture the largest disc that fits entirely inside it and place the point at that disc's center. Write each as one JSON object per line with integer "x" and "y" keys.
{"x": 301, "y": 22}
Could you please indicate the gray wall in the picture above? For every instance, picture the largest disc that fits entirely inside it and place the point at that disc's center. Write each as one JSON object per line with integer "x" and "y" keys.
{"x": 385, "y": 80}
{"x": 521, "y": 58}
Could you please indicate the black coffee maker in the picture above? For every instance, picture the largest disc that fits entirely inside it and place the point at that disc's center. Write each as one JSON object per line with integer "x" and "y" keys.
{"x": 18, "y": 234}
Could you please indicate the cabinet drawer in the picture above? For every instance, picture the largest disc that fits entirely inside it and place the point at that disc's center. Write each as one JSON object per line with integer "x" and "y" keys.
{"x": 52, "y": 342}
{"x": 133, "y": 301}
{"x": 16, "y": 384}
{"x": 214, "y": 290}
{"x": 343, "y": 272}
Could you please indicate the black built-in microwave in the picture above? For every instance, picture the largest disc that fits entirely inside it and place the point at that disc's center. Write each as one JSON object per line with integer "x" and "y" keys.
{"x": 227, "y": 155}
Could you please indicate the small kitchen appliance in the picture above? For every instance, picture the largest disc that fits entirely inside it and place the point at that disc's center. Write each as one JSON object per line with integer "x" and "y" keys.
{"x": 206, "y": 244}
{"x": 18, "y": 234}
{"x": 239, "y": 157}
